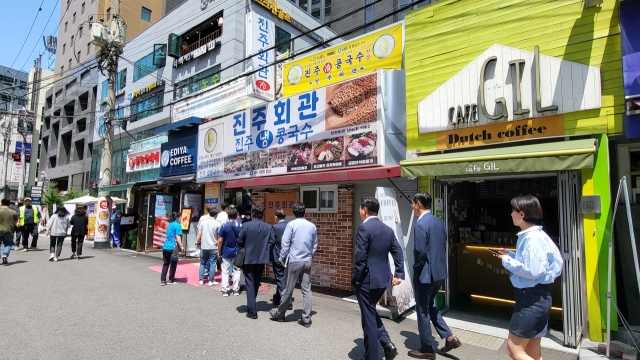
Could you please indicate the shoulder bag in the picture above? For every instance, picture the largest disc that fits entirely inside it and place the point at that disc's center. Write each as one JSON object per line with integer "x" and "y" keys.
{"x": 238, "y": 261}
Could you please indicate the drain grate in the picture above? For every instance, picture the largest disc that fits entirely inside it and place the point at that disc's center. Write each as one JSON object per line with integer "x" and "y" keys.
{"x": 477, "y": 339}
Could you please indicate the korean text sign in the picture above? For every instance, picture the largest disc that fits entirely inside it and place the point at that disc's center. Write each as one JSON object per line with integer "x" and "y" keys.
{"x": 325, "y": 129}
{"x": 261, "y": 35}
{"x": 379, "y": 50}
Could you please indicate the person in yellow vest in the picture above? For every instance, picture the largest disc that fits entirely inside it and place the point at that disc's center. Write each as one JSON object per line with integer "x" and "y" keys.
{"x": 28, "y": 218}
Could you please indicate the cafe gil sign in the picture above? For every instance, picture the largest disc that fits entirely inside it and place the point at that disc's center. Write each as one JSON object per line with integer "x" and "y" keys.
{"x": 505, "y": 84}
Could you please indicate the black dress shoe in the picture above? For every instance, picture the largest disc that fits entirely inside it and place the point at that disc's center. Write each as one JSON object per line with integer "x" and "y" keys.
{"x": 390, "y": 351}
{"x": 450, "y": 345}
{"x": 252, "y": 316}
{"x": 305, "y": 324}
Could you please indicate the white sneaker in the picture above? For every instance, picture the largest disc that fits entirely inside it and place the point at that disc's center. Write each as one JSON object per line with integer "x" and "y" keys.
{"x": 200, "y": 282}
{"x": 236, "y": 293}
{"x": 55, "y": 259}
{"x": 25, "y": 249}
{"x": 51, "y": 257}
{"x": 211, "y": 283}
{"x": 74, "y": 256}
{"x": 225, "y": 293}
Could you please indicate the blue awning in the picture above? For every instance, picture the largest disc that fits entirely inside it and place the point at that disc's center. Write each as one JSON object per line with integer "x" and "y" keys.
{"x": 188, "y": 122}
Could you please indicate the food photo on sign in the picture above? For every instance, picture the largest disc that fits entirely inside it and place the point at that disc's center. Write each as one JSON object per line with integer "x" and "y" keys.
{"x": 352, "y": 103}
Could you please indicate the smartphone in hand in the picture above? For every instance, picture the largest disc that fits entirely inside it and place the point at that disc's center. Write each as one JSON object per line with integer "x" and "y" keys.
{"x": 495, "y": 253}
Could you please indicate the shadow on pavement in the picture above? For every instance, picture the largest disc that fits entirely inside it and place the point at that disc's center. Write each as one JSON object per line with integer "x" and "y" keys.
{"x": 358, "y": 351}
{"x": 412, "y": 341}
{"x": 11, "y": 263}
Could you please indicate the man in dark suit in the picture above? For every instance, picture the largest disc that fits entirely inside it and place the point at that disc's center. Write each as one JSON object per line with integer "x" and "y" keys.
{"x": 372, "y": 276}
{"x": 256, "y": 237}
{"x": 429, "y": 273}
{"x": 274, "y": 255}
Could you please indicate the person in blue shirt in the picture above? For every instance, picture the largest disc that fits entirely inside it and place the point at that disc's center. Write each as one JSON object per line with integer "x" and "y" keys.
{"x": 174, "y": 238}
{"x": 534, "y": 265}
{"x": 228, "y": 248}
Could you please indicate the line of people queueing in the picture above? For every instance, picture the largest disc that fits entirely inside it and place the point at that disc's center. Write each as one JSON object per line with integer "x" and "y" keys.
{"x": 290, "y": 247}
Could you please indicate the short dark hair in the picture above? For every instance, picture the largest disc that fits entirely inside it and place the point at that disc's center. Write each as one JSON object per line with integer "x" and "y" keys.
{"x": 530, "y": 206}
{"x": 371, "y": 204}
{"x": 281, "y": 214}
{"x": 257, "y": 212}
{"x": 224, "y": 205}
{"x": 5, "y": 202}
{"x": 298, "y": 209}
{"x": 210, "y": 207}
{"x": 213, "y": 211}
{"x": 423, "y": 198}
{"x": 12, "y": 202}
{"x": 174, "y": 216}
{"x": 233, "y": 213}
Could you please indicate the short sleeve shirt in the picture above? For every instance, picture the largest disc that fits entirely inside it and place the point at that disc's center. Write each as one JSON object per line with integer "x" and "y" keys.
{"x": 210, "y": 228}
{"x": 173, "y": 229}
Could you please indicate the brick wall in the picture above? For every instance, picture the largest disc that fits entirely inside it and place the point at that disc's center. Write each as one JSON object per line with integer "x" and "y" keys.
{"x": 333, "y": 263}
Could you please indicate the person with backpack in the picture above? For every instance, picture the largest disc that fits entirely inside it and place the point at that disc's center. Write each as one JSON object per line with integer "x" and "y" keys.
{"x": 228, "y": 247}
{"x": 57, "y": 227}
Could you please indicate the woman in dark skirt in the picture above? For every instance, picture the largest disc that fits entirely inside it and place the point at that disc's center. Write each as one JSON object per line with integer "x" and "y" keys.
{"x": 534, "y": 266}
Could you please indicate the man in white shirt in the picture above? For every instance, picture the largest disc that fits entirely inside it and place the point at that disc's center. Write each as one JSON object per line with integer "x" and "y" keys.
{"x": 207, "y": 242}
{"x": 223, "y": 218}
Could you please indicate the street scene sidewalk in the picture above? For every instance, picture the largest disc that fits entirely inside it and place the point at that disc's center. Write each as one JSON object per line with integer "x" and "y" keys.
{"x": 110, "y": 304}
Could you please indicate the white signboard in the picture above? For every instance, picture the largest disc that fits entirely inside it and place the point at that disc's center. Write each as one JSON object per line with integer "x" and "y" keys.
{"x": 221, "y": 101}
{"x": 389, "y": 214}
{"x": 143, "y": 160}
{"x": 506, "y": 84}
{"x": 320, "y": 130}
{"x": 16, "y": 174}
{"x": 103, "y": 216}
{"x": 261, "y": 35}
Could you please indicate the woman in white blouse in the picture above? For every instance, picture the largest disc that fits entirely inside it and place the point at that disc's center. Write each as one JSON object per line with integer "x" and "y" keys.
{"x": 534, "y": 266}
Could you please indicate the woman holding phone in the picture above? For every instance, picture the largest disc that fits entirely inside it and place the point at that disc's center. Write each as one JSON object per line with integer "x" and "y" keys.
{"x": 534, "y": 266}
{"x": 172, "y": 243}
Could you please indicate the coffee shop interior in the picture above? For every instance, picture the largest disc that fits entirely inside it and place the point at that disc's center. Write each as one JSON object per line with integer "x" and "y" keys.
{"x": 479, "y": 218}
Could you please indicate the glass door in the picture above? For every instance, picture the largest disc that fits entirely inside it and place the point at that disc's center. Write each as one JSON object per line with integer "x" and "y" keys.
{"x": 440, "y": 193}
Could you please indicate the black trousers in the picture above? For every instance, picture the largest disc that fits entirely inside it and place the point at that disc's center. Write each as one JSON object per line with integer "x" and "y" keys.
{"x": 168, "y": 265}
{"x": 372, "y": 325}
{"x": 18, "y": 236}
{"x": 76, "y": 243}
{"x": 279, "y": 273}
{"x": 30, "y": 229}
{"x": 55, "y": 244}
{"x": 252, "y": 278}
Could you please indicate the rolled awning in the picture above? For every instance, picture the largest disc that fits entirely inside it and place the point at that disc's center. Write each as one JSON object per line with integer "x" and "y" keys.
{"x": 119, "y": 187}
{"x": 554, "y": 156}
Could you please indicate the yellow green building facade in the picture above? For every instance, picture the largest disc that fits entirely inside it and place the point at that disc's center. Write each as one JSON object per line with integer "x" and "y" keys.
{"x": 499, "y": 88}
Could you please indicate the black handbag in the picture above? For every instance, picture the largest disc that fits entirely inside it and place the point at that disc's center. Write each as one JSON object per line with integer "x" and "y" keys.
{"x": 238, "y": 261}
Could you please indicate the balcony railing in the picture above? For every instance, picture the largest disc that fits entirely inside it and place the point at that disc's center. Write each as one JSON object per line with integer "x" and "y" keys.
{"x": 205, "y": 40}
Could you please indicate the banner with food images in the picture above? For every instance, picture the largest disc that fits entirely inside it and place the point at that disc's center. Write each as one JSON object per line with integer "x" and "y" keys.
{"x": 330, "y": 128}
{"x": 379, "y": 50}
{"x": 102, "y": 221}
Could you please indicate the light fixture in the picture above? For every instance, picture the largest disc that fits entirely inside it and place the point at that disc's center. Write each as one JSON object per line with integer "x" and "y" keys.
{"x": 220, "y": 21}
{"x": 504, "y": 300}
{"x": 486, "y": 247}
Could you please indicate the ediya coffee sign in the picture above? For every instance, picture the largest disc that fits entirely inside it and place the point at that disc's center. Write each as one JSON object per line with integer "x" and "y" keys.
{"x": 505, "y": 84}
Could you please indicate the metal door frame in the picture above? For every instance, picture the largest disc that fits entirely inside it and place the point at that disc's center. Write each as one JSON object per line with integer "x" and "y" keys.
{"x": 444, "y": 192}
{"x": 572, "y": 249}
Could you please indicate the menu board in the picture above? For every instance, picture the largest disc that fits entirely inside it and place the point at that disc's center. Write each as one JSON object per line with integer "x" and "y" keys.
{"x": 538, "y": 187}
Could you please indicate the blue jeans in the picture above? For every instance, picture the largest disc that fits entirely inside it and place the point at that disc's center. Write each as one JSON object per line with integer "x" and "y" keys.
{"x": 208, "y": 260}
{"x": 7, "y": 240}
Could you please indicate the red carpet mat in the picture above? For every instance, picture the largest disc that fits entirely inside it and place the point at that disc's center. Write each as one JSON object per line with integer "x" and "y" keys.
{"x": 190, "y": 273}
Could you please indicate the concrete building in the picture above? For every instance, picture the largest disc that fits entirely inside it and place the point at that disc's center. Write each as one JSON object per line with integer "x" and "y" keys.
{"x": 69, "y": 114}
{"x": 40, "y": 80}
{"x": 151, "y": 95}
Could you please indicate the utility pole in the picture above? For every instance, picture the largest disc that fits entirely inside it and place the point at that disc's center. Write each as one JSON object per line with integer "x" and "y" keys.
{"x": 112, "y": 49}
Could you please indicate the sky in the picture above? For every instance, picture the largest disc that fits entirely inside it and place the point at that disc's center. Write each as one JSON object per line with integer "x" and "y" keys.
{"x": 18, "y": 17}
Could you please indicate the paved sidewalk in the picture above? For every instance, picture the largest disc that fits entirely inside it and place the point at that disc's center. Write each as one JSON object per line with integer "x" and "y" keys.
{"x": 110, "y": 305}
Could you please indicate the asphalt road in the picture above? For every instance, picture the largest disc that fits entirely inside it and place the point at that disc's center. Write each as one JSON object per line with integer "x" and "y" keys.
{"x": 110, "y": 305}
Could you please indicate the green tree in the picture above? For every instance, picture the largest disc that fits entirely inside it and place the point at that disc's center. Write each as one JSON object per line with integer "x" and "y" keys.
{"x": 52, "y": 196}
{"x": 73, "y": 194}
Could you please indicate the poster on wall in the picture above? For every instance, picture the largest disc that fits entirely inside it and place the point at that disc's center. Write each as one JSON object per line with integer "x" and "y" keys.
{"x": 102, "y": 221}
{"x": 331, "y": 128}
{"x": 162, "y": 211}
{"x": 273, "y": 202}
{"x": 15, "y": 171}
{"x": 211, "y": 194}
{"x": 193, "y": 201}
{"x": 390, "y": 215}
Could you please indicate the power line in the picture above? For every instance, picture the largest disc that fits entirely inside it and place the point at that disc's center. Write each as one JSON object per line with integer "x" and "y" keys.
{"x": 38, "y": 40}
{"x": 25, "y": 40}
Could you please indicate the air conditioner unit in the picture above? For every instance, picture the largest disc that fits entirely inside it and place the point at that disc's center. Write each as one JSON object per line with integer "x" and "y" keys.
{"x": 99, "y": 34}
{"x": 118, "y": 33}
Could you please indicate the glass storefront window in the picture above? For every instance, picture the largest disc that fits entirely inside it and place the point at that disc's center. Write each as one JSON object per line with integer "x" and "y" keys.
{"x": 198, "y": 82}
{"x": 148, "y": 105}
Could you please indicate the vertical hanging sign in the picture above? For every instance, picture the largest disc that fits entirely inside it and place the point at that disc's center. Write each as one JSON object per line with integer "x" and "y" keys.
{"x": 261, "y": 35}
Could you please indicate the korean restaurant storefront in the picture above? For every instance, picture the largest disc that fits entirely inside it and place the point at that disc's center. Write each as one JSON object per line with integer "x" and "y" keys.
{"x": 315, "y": 147}
{"x": 515, "y": 116}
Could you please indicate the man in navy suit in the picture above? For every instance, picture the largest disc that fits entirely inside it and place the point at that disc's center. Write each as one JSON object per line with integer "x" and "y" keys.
{"x": 256, "y": 237}
{"x": 274, "y": 255}
{"x": 429, "y": 273}
{"x": 372, "y": 276}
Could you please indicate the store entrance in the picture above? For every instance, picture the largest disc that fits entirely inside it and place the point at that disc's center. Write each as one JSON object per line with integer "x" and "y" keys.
{"x": 477, "y": 213}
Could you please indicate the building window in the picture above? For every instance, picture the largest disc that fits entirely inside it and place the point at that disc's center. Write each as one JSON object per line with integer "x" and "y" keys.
{"x": 68, "y": 3}
{"x": 91, "y": 19}
{"x": 369, "y": 15}
{"x": 64, "y": 48}
{"x": 202, "y": 34}
{"x": 144, "y": 67}
{"x": 62, "y": 69}
{"x": 74, "y": 18}
{"x": 320, "y": 199}
{"x": 69, "y": 64}
{"x": 105, "y": 89}
{"x": 66, "y": 25}
{"x": 72, "y": 37}
{"x": 283, "y": 38}
{"x": 108, "y": 14}
{"x": 82, "y": 11}
{"x": 327, "y": 10}
{"x": 148, "y": 106}
{"x": 79, "y": 52}
{"x": 303, "y": 5}
{"x": 80, "y": 33}
{"x": 121, "y": 80}
{"x": 197, "y": 82}
{"x": 88, "y": 48}
{"x": 315, "y": 8}
{"x": 146, "y": 14}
